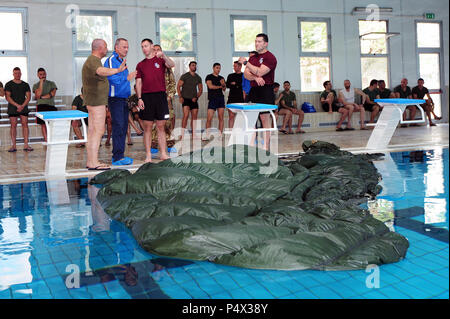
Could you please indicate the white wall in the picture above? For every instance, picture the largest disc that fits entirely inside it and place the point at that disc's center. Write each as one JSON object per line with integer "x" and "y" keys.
{"x": 50, "y": 41}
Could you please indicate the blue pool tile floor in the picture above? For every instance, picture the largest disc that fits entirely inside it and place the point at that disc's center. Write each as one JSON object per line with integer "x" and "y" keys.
{"x": 59, "y": 247}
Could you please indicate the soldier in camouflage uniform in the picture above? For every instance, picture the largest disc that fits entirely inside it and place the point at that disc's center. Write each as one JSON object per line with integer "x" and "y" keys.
{"x": 133, "y": 117}
{"x": 170, "y": 91}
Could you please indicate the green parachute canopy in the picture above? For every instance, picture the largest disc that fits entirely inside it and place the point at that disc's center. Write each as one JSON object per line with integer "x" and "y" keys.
{"x": 242, "y": 207}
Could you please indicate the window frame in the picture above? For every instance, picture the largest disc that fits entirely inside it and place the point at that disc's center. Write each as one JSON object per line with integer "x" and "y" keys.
{"x": 25, "y": 40}
{"x": 440, "y": 51}
{"x": 192, "y": 16}
{"x": 233, "y": 17}
{"x": 313, "y": 54}
{"x": 17, "y": 53}
{"x": 377, "y": 55}
{"x": 86, "y": 53}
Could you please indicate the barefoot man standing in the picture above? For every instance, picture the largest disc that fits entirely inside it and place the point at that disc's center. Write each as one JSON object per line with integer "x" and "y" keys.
{"x": 95, "y": 94}
{"x": 152, "y": 98}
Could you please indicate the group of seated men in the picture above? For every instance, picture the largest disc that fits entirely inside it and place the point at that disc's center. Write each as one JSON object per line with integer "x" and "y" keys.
{"x": 345, "y": 103}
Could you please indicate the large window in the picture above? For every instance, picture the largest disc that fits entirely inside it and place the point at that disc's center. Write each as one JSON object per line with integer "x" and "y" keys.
{"x": 315, "y": 53}
{"x": 429, "y": 55}
{"x": 177, "y": 35}
{"x": 90, "y": 25}
{"x": 374, "y": 51}
{"x": 243, "y": 33}
{"x": 13, "y": 46}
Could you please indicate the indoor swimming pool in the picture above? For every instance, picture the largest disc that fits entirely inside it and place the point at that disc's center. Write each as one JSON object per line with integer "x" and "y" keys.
{"x": 56, "y": 242}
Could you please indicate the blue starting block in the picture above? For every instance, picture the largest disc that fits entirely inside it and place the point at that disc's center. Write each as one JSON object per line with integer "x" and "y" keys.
{"x": 390, "y": 117}
{"x": 58, "y": 134}
{"x": 244, "y": 130}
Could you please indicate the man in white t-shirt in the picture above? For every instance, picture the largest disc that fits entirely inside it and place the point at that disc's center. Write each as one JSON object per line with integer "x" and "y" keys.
{"x": 347, "y": 97}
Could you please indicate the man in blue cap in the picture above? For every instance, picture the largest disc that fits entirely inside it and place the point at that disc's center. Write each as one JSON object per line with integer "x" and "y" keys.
{"x": 119, "y": 92}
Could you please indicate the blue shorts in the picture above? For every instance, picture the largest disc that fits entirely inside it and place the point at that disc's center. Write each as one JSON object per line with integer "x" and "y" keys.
{"x": 216, "y": 103}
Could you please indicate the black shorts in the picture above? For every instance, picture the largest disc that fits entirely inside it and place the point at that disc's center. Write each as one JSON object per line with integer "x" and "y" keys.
{"x": 216, "y": 102}
{"x": 262, "y": 94}
{"x": 192, "y": 105}
{"x": 156, "y": 107}
{"x": 18, "y": 114}
{"x": 368, "y": 107}
{"x": 44, "y": 108}
{"x": 335, "y": 107}
{"x": 233, "y": 99}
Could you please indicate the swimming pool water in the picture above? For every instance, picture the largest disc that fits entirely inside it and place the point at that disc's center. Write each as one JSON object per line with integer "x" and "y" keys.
{"x": 56, "y": 242}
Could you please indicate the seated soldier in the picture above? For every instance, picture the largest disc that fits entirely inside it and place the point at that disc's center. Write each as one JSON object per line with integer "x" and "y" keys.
{"x": 133, "y": 116}
{"x": 168, "y": 129}
{"x": 79, "y": 104}
{"x": 277, "y": 95}
{"x": 288, "y": 105}
{"x": 403, "y": 91}
{"x": 419, "y": 92}
{"x": 383, "y": 92}
{"x": 371, "y": 106}
{"x": 329, "y": 101}
{"x": 347, "y": 96}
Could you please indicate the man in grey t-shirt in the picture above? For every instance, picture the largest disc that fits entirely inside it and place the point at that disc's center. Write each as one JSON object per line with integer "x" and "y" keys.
{"x": 44, "y": 92}
{"x": 189, "y": 89}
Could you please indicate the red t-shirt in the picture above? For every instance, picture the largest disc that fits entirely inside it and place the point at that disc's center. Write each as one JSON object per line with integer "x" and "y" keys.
{"x": 151, "y": 71}
{"x": 269, "y": 60}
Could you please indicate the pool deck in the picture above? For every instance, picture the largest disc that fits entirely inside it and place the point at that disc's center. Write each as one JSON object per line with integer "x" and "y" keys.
{"x": 24, "y": 166}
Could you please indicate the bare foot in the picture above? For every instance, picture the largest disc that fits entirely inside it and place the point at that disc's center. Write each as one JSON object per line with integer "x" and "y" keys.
{"x": 148, "y": 160}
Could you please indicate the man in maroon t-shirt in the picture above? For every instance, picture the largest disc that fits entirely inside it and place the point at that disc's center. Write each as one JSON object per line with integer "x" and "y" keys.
{"x": 260, "y": 70}
{"x": 152, "y": 99}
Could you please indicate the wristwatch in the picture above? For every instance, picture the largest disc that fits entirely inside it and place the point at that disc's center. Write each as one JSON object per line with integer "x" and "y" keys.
{"x": 245, "y": 62}
{"x": 139, "y": 98}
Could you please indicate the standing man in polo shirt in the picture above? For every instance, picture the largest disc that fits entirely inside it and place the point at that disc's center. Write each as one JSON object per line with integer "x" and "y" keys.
{"x": 44, "y": 92}
{"x": 95, "y": 93}
{"x": 260, "y": 70}
{"x": 189, "y": 89}
{"x": 152, "y": 97}
{"x": 119, "y": 92}
{"x": 18, "y": 94}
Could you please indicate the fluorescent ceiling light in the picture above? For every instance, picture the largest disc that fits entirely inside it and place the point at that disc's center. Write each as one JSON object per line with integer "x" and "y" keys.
{"x": 371, "y": 9}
